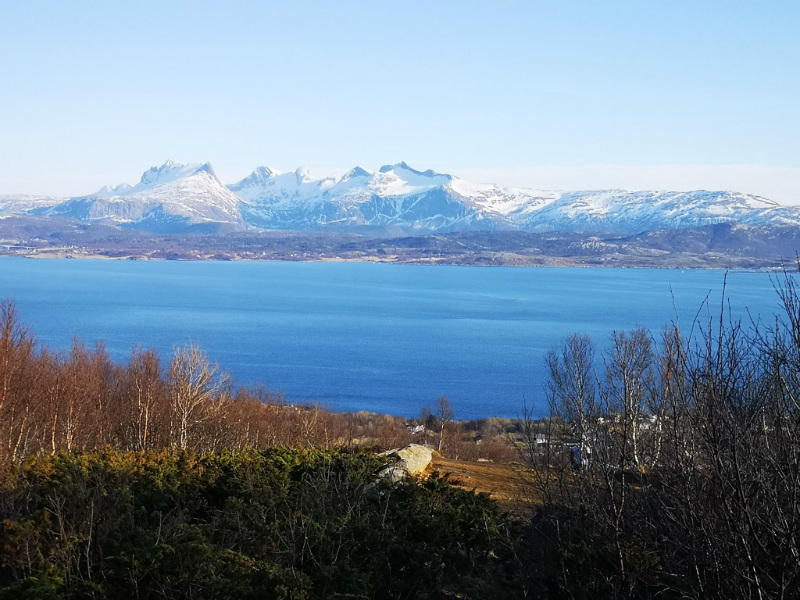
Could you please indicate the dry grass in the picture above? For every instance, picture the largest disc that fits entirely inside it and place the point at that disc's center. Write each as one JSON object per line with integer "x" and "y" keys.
{"x": 510, "y": 485}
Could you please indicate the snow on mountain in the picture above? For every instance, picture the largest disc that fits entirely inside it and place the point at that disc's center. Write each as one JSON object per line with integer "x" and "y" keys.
{"x": 399, "y": 196}
{"x": 169, "y": 198}
{"x": 396, "y": 198}
{"x": 617, "y": 211}
{"x": 18, "y": 204}
{"x": 512, "y": 203}
{"x": 269, "y": 186}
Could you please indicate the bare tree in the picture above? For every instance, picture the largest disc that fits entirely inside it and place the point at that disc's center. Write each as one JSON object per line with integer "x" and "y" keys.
{"x": 143, "y": 396}
{"x": 628, "y": 386}
{"x": 571, "y": 387}
{"x": 196, "y": 389}
{"x": 699, "y": 444}
{"x": 445, "y": 415}
{"x": 16, "y": 378}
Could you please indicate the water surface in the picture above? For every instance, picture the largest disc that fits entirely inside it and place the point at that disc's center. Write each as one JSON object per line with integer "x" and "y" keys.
{"x": 365, "y": 336}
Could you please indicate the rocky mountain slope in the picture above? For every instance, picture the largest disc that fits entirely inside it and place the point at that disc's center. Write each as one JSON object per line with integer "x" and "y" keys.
{"x": 171, "y": 198}
{"x": 397, "y": 196}
{"x": 396, "y": 199}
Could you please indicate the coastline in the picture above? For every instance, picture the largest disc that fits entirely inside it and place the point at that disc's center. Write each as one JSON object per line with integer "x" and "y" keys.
{"x": 678, "y": 262}
{"x": 721, "y": 246}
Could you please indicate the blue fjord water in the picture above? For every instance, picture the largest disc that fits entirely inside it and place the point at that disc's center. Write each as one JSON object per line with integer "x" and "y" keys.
{"x": 366, "y": 336}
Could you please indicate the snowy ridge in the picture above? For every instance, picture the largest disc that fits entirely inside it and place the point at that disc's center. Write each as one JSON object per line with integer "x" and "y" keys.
{"x": 395, "y": 196}
{"x": 11, "y": 204}
{"x": 170, "y": 198}
{"x": 617, "y": 211}
{"x": 416, "y": 201}
{"x": 176, "y": 198}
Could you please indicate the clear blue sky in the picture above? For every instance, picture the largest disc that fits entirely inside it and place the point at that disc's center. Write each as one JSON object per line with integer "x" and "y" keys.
{"x": 568, "y": 94}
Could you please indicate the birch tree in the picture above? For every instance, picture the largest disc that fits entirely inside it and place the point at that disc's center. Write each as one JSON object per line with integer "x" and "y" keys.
{"x": 195, "y": 387}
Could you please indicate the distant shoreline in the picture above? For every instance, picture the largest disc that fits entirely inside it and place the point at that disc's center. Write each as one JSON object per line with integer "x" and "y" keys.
{"x": 720, "y": 246}
{"x": 547, "y": 262}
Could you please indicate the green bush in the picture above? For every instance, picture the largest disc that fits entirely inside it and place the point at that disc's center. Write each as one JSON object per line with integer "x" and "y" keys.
{"x": 278, "y": 523}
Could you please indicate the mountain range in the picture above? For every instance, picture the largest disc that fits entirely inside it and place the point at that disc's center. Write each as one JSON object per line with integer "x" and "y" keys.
{"x": 395, "y": 199}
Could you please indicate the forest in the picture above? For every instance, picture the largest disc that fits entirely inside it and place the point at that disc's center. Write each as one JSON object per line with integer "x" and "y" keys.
{"x": 668, "y": 467}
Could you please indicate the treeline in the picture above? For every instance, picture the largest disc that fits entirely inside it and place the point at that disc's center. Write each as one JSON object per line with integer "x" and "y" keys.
{"x": 82, "y": 400}
{"x": 673, "y": 470}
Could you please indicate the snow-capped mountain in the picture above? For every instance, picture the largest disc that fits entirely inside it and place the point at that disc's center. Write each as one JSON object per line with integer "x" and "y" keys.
{"x": 169, "y": 198}
{"x": 395, "y": 198}
{"x": 616, "y": 211}
{"x": 19, "y": 204}
{"x": 416, "y": 201}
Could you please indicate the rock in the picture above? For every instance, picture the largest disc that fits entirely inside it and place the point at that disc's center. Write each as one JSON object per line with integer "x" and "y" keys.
{"x": 409, "y": 460}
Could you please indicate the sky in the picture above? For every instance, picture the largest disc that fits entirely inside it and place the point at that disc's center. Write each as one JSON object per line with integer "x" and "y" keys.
{"x": 556, "y": 94}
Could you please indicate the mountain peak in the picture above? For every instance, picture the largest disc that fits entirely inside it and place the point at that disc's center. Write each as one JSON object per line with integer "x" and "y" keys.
{"x": 356, "y": 172}
{"x": 387, "y": 168}
{"x": 403, "y": 165}
{"x": 171, "y": 171}
{"x": 206, "y": 168}
{"x": 261, "y": 177}
{"x": 265, "y": 172}
{"x": 109, "y": 190}
{"x": 303, "y": 174}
